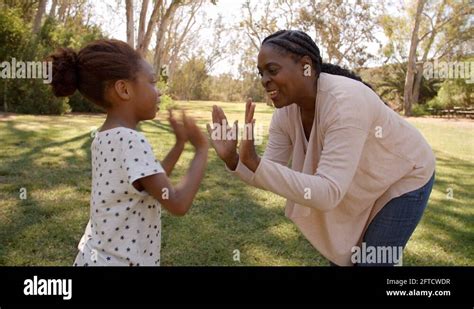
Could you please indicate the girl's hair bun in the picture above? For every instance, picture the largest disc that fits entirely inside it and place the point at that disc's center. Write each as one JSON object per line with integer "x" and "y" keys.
{"x": 65, "y": 75}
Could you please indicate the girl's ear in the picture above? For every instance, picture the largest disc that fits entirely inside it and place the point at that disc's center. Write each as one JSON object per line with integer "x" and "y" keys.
{"x": 123, "y": 89}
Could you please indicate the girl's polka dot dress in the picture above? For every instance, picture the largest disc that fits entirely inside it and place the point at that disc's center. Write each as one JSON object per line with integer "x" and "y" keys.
{"x": 124, "y": 228}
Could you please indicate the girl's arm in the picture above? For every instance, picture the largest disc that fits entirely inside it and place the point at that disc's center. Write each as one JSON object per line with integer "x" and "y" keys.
{"x": 181, "y": 137}
{"x": 172, "y": 157}
{"x": 178, "y": 200}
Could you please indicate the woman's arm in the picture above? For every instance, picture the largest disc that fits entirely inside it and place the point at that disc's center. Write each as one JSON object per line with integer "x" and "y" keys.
{"x": 278, "y": 148}
{"x": 342, "y": 148}
{"x": 326, "y": 188}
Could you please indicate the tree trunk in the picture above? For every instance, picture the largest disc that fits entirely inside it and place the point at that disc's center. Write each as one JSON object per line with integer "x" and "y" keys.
{"x": 62, "y": 10}
{"x": 143, "y": 46}
{"x": 141, "y": 22}
{"x": 160, "y": 35}
{"x": 173, "y": 60}
{"x": 52, "y": 11}
{"x": 408, "y": 90}
{"x": 39, "y": 16}
{"x": 130, "y": 23}
{"x": 434, "y": 32}
{"x": 417, "y": 85}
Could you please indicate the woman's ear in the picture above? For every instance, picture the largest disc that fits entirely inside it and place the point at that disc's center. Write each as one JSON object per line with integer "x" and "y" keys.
{"x": 123, "y": 89}
{"x": 307, "y": 66}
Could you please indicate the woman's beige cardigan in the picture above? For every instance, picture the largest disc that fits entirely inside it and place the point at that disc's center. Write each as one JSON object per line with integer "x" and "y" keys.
{"x": 360, "y": 155}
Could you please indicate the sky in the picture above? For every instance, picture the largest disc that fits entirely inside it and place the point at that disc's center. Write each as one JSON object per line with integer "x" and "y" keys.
{"x": 104, "y": 12}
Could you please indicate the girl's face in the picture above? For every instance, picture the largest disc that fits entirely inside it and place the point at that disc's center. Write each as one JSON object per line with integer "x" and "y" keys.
{"x": 281, "y": 76}
{"x": 146, "y": 95}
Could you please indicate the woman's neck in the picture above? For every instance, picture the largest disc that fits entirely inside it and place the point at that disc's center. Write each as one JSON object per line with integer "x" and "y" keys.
{"x": 307, "y": 103}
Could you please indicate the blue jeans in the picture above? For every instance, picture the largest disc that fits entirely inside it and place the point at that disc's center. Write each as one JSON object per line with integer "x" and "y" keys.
{"x": 395, "y": 222}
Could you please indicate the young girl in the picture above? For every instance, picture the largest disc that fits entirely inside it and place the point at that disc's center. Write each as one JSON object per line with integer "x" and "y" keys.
{"x": 128, "y": 183}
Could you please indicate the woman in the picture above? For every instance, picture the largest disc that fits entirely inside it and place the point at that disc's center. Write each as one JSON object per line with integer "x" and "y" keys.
{"x": 360, "y": 174}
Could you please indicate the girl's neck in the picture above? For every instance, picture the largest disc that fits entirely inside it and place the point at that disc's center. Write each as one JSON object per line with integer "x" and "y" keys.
{"x": 115, "y": 119}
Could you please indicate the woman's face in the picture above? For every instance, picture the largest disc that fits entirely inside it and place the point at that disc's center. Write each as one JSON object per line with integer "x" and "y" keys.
{"x": 146, "y": 95}
{"x": 281, "y": 76}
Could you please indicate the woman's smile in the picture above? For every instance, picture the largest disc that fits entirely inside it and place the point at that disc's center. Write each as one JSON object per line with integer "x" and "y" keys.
{"x": 273, "y": 94}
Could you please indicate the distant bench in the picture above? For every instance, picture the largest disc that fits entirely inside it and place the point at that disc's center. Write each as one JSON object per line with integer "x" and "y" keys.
{"x": 466, "y": 112}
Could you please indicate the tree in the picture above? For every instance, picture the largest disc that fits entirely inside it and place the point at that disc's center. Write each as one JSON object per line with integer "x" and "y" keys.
{"x": 255, "y": 30}
{"x": 191, "y": 82}
{"x": 408, "y": 94}
{"x": 167, "y": 16}
{"x": 52, "y": 11}
{"x": 342, "y": 28}
{"x": 443, "y": 28}
{"x": 130, "y": 23}
{"x": 447, "y": 22}
{"x": 142, "y": 21}
{"x": 177, "y": 37}
{"x": 39, "y": 16}
{"x": 142, "y": 46}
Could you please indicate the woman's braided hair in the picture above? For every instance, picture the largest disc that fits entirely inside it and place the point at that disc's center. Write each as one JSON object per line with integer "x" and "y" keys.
{"x": 300, "y": 44}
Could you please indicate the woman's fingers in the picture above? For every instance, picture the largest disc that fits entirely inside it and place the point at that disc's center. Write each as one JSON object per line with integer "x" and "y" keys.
{"x": 221, "y": 114}
{"x": 218, "y": 115}
{"x": 236, "y": 128}
{"x": 214, "y": 114}
{"x": 252, "y": 111}
{"x": 209, "y": 131}
{"x": 249, "y": 121}
{"x": 249, "y": 110}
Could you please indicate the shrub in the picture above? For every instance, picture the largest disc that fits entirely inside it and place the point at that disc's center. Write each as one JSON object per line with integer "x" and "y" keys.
{"x": 453, "y": 93}
{"x": 419, "y": 110}
{"x": 32, "y": 96}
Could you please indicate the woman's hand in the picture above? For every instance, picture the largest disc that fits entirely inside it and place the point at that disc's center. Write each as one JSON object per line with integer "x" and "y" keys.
{"x": 224, "y": 140}
{"x": 248, "y": 155}
{"x": 178, "y": 128}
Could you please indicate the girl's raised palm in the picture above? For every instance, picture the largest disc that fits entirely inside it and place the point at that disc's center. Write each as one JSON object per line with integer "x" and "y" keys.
{"x": 196, "y": 137}
{"x": 178, "y": 128}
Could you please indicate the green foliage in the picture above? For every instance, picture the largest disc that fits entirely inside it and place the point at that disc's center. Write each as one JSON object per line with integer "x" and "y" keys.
{"x": 80, "y": 104}
{"x": 225, "y": 88}
{"x": 167, "y": 102}
{"x": 32, "y": 96}
{"x": 419, "y": 110}
{"x": 389, "y": 82}
{"x": 191, "y": 81}
{"x": 453, "y": 92}
{"x": 13, "y": 34}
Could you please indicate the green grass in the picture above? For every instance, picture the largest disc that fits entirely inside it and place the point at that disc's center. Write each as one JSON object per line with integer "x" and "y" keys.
{"x": 49, "y": 157}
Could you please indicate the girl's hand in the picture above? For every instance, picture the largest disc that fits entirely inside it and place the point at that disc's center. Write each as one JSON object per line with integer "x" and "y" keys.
{"x": 194, "y": 134}
{"x": 178, "y": 128}
{"x": 225, "y": 146}
{"x": 247, "y": 153}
